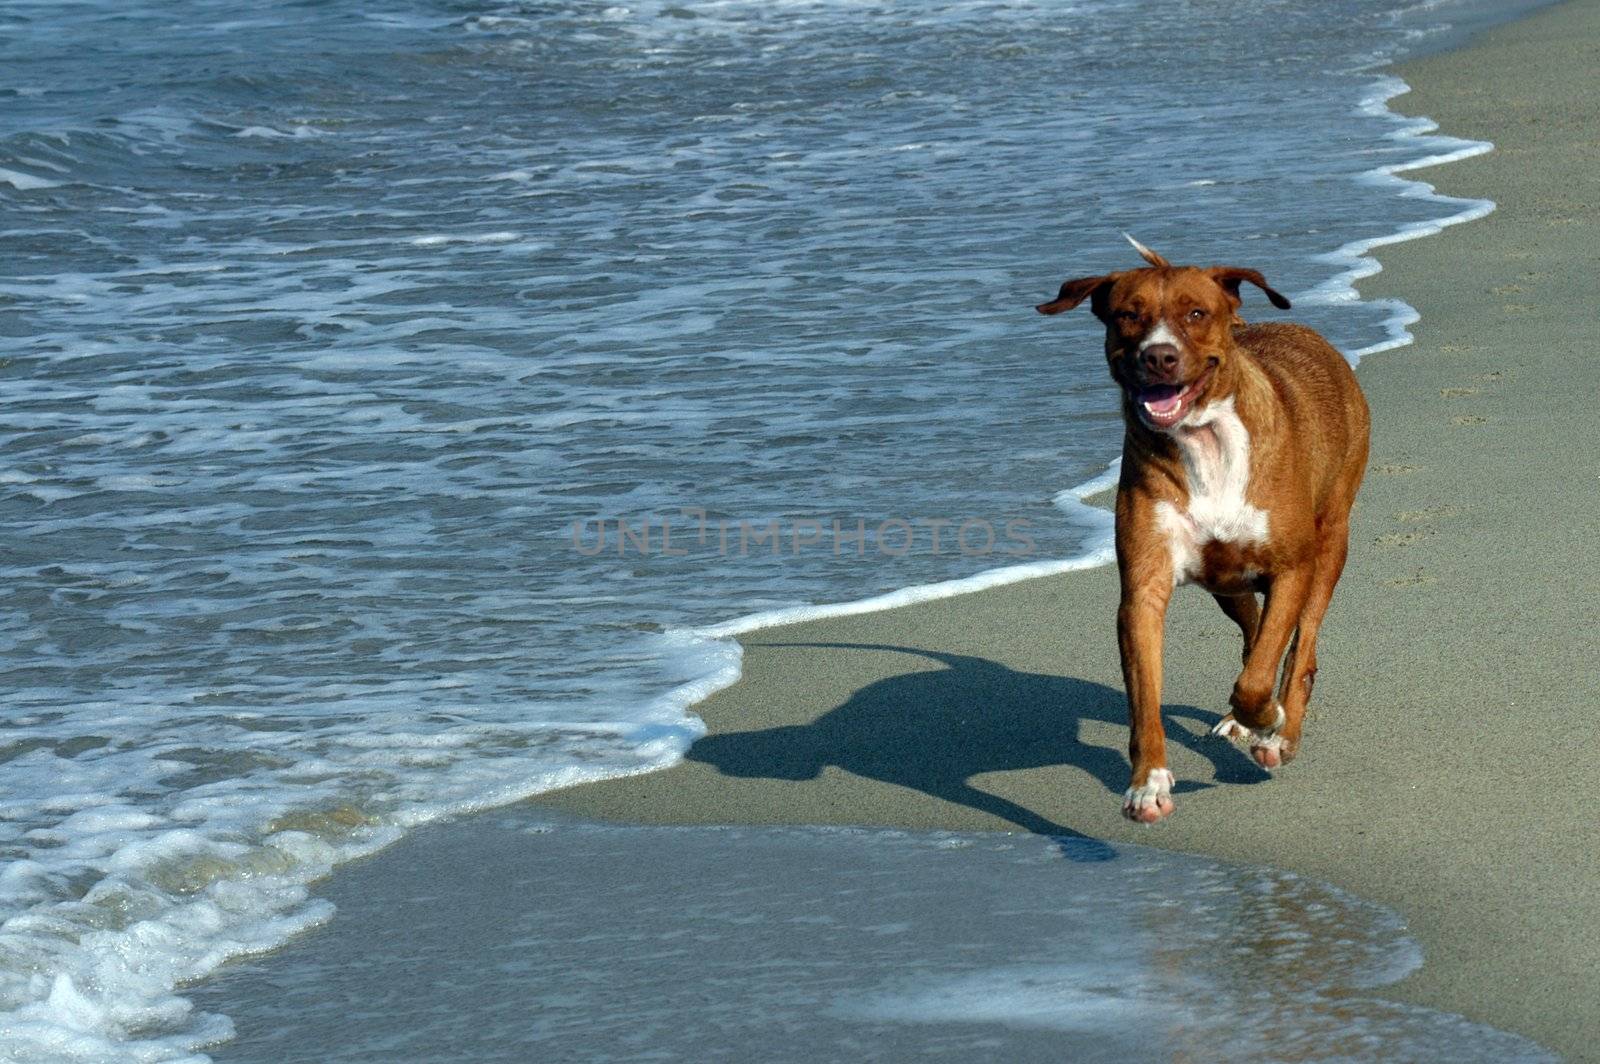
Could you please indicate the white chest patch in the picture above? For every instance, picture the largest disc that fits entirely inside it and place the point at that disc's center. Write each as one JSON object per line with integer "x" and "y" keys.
{"x": 1215, "y": 447}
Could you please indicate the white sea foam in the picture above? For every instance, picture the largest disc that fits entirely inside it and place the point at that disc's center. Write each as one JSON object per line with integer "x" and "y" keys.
{"x": 435, "y": 239}
{"x": 269, "y": 133}
{"x": 25, "y": 182}
{"x": 1089, "y": 996}
{"x": 1355, "y": 259}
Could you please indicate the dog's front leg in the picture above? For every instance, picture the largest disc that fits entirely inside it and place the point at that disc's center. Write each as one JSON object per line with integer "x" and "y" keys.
{"x": 1252, "y": 701}
{"x": 1140, "y": 620}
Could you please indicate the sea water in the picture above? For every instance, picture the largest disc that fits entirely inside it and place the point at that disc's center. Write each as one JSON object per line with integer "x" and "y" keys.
{"x": 405, "y": 402}
{"x": 611, "y": 943}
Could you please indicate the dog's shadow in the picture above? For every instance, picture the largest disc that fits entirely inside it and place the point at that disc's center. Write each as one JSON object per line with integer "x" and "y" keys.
{"x": 933, "y": 730}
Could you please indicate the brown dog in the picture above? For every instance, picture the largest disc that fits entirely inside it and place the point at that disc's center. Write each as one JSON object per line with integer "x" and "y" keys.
{"x": 1244, "y": 449}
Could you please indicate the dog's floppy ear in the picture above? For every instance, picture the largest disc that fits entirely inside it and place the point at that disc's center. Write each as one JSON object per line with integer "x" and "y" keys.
{"x": 1230, "y": 276}
{"x": 1074, "y": 292}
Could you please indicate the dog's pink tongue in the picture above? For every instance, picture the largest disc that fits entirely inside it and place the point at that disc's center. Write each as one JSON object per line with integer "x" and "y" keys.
{"x": 1161, "y": 398}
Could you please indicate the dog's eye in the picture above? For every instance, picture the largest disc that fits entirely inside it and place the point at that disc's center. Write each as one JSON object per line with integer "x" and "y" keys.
{"x": 1125, "y": 315}
{"x": 1197, "y": 314}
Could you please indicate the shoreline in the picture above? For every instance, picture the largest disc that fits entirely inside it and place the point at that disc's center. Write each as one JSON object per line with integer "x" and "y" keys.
{"x": 1405, "y": 795}
{"x": 1047, "y": 642}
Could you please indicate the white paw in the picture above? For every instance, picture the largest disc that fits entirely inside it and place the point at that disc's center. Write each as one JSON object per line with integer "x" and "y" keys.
{"x": 1266, "y": 742}
{"x": 1228, "y": 728}
{"x": 1152, "y": 801}
{"x": 1267, "y": 747}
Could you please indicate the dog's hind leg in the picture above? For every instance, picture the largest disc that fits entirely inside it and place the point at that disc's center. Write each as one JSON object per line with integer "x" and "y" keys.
{"x": 1300, "y": 668}
{"x": 1244, "y": 611}
{"x": 1254, "y": 707}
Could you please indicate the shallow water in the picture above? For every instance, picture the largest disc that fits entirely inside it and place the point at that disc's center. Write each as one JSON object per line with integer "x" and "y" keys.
{"x": 328, "y": 324}
{"x": 600, "y": 943}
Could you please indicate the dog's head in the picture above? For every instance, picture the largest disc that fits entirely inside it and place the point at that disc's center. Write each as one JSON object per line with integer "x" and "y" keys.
{"x": 1169, "y": 330}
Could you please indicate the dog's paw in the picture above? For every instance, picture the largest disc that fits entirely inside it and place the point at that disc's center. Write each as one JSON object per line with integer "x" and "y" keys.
{"x": 1230, "y": 729}
{"x": 1151, "y": 802}
{"x": 1268, "y": 748}
{"x": 1268, "y": 751}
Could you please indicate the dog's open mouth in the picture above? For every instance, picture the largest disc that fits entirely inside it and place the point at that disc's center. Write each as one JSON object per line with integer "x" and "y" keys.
{"x": 1162, "y": 406}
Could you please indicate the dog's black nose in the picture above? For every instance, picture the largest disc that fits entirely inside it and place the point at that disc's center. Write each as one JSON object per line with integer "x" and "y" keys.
{"x": 1159, "y": 358}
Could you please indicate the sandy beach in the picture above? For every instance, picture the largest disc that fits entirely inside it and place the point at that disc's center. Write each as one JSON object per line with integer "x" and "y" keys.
{"x": 1445, "y": 759}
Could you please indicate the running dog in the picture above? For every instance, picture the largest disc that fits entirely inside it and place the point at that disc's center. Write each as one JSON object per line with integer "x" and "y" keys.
{"x": 1245, "y": 446}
